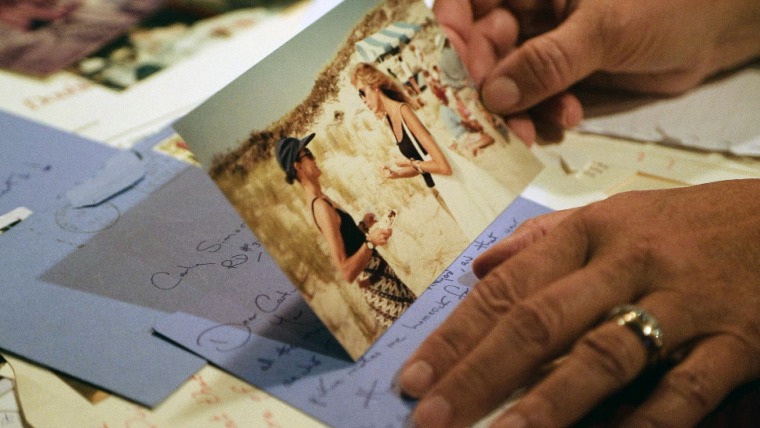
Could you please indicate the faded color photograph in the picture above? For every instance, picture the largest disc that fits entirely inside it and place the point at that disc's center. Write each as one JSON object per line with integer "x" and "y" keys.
{"x": 168, "y": 37}
{"x": 359, "y": 155}
{"x": 43, "y": 36}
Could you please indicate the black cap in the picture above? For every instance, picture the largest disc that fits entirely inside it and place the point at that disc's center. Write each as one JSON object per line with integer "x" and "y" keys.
{"x": 287, "y": 150}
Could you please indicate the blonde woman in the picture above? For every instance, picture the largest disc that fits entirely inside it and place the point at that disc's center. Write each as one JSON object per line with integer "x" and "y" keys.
{"x": 472, "y": 197}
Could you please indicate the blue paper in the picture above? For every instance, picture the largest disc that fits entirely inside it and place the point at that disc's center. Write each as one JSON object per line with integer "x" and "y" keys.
{"x": 38, "y": 163}
{"x": 120, "y": 174}
{"x": 100, "y": 340}
{"x": 339, "y": 392}
{"x": 184, "y": 248}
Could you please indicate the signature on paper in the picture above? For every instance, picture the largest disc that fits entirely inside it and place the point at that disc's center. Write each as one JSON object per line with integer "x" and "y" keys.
{"x": 169, "y": 280}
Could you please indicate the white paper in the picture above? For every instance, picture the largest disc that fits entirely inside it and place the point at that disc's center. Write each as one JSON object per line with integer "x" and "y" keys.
{"x": 722, "y": 115}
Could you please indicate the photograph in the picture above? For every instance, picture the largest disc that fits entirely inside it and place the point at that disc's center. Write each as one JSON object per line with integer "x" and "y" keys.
{"x": 169, "y": 36}
{"x": 359, "y": 155}
{"x": 41, "y": 37}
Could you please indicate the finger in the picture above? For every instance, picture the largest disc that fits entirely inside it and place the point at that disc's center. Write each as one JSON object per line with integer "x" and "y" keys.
{"x": 613, "y": 361}
{"x": 545, "y": 65}
{"x": 493, "y": 36}
{"x": 455, "y": 12}
{"x": 530, "y": 334}
{"x": 456, "y": 18}
{"x": 522, "y": 126}
{"x": 601, "y": 362}
{"x": 481, "y": 37}
{"x": 527, "y": 233}
{"x": 697, "y": 385}
{"x": 535, "y": 16}
{"x": 563, "y": 110}
{"x": 488, "y": 300}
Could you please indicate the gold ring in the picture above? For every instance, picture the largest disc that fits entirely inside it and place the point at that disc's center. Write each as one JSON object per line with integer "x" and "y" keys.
{"x": 644, "y": 325}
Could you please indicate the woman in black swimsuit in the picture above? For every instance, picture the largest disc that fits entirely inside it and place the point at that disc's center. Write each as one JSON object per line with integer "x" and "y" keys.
{"x": 352, "y": 246}
{"x": 466, "y": 192}
{"x": 385, "y": 98}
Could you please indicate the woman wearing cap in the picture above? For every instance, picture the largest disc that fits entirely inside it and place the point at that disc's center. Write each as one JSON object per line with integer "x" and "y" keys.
{"x": 473, "y": 202}
{"x": 352, "y": 246}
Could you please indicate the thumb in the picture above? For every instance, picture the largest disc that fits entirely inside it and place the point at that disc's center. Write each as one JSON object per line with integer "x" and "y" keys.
{"x": 545, "y": 65}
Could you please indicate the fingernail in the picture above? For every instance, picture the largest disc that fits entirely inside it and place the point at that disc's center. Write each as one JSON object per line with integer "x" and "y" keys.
{"x": 432, "y": 412}
{"x": 513, "y": 420}
{"x": 415, "y": 379}
{"x": 500, "y": 94}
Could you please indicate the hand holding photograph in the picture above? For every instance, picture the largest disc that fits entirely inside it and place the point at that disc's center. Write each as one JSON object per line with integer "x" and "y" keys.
{"x": 361, "y": 158}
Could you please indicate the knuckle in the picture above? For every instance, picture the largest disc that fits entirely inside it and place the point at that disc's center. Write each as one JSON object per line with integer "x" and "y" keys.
{"x": 615, "y": 357}
{"x": 451, "y": 344}
{"x": 496, "y": 293}
{"x": 479, "y": 382}
{"x": 533, "y": 325}
{"x": 636, "y": 252}
{"x": 549, "y": 63}
{"x": 613, "y": 30}
{"x": 693, "y": 387}
{"x": 612, "y": 21}
{"x": 634, "y": 258}
{"x": 502, "y": 30}
{"x": 536, "y": 226}
{"x": 598, "y": 213}
{"x": 472, "y": 391}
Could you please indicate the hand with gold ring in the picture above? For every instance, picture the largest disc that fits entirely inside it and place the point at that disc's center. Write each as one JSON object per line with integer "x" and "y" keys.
{"x": 612, "y": 287}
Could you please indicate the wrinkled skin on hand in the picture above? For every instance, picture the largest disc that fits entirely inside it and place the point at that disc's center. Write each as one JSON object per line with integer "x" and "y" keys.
{"x": 689, "y": 256}
{"x": 528, "y": 53}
